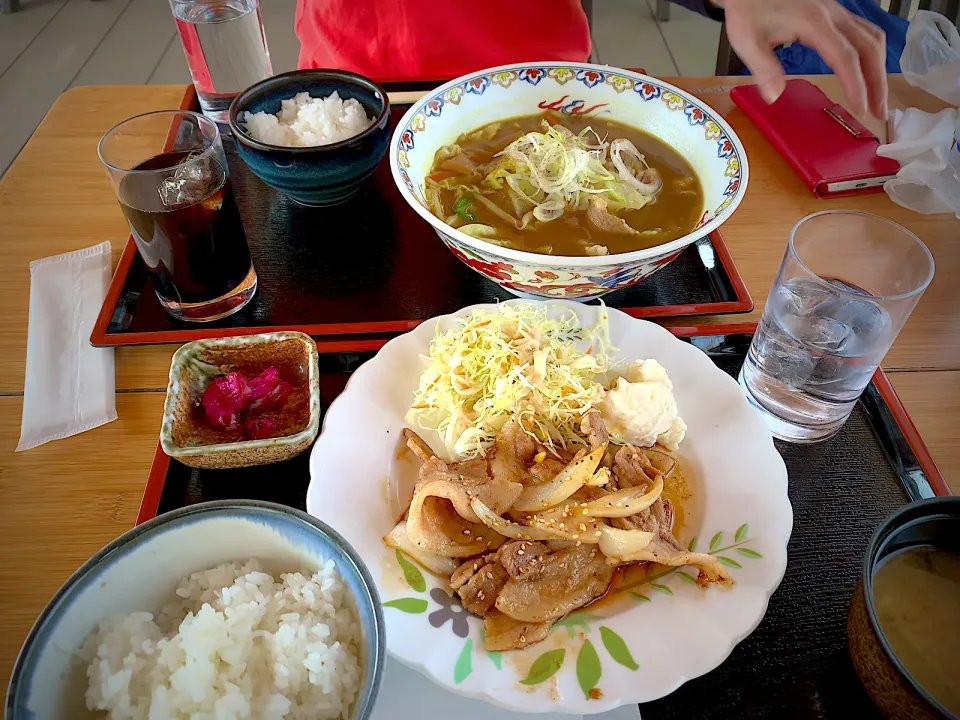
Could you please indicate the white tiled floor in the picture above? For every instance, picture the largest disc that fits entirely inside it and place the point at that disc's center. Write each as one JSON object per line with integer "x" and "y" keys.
{"x": 51, "y": 45}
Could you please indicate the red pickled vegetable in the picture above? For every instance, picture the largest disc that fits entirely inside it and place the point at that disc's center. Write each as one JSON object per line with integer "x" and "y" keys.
{"x": 258, "y": 428}
{"x": 225, "y": 398}
{"x": 267, "y": 391}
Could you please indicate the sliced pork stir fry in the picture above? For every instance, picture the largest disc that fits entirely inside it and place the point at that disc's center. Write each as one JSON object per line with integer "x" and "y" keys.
{"x": 526, "y": 536}
{"x": 569, "y": 579}
{"x": 523, "y": 560}
{"x": 504, "y": 633}
{"x": 481, "y": 590}
{"x": 594, "y": 430}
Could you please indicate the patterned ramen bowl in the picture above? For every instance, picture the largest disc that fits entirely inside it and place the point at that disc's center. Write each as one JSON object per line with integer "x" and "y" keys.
{"x": 694, "y": 130}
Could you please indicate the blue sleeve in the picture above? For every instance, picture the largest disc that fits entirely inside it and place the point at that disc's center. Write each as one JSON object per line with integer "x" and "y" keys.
{"x": 703, "y": 8}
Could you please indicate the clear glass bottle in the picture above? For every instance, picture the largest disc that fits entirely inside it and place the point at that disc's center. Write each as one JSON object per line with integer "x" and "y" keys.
{"x": 226, "y": 49}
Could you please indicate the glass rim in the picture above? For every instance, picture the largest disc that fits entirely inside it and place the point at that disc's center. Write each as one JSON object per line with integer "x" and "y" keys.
{"x": 189, "y": 113}
{"x": 792, "y": 249}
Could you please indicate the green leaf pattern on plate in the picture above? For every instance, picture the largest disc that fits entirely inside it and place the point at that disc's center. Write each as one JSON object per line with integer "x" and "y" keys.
{"x": 576, "y": 620}
{"x": 728, "y": 562}
{"x": 588, "y": 668}
{"x": 464, "y": 665}
{"x": 661, "y": 588}
{"x": 741, "y": 533}
{"x": 412, "y": 574}
{"x": 687, "y": 577}
{"x": 496, "y": 658}
{"x": 716, "y": 540}
{"x": 639, "y": 597}
{"x": 617, "y": 648}
{"x": 545, "y": 667}
{"x": 748, "y": 553}
{"x": 412, "y": 606}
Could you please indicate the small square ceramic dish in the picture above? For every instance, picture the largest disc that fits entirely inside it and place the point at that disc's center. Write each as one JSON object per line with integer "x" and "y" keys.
{"x": 186, "y": 433}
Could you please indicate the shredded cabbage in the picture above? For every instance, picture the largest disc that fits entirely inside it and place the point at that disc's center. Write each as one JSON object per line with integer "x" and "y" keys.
{"x": 512, "y": 360}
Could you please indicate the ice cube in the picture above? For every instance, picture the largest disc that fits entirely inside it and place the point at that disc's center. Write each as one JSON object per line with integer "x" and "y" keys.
{"x": 826, "y": 333}
{"x": 802, "y": 297}
{"x": 192, "y": 181}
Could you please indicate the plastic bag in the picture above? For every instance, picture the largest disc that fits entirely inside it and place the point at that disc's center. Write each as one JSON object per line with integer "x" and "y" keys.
{"x": 931, "y": 57}
{"x": 924, "y": 145}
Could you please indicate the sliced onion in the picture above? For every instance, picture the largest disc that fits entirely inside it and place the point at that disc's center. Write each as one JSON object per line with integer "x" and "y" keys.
{"x": 506, "y": 528}
{"x": 566, "y": 482}
{"x": 600, "y": 478}
{"x": 479, "y": 231}
{"x": 550, "y": 210}
{"x": 665, "y": 464}
{"x": 622, "y": 145}
{"x": 514, "y": 185}
{"x": 565, "y": 522}
{"x": 495, "y": 209}
{"x": 436, "y": 564}
{"x": 711, "y": 570}
{"x": 621, "y": 544}
{"x": 623, "y": 503}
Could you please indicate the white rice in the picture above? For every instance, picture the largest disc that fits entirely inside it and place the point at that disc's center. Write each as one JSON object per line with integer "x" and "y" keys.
{"x": 306, "y": 121}
{"x": 234, "y": 643}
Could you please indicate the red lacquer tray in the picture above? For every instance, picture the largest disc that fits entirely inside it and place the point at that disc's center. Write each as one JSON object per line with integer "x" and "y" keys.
{"x": 796, "y": 663}
{"x": 372, "y": 266}
{"x": 895, "y": 432}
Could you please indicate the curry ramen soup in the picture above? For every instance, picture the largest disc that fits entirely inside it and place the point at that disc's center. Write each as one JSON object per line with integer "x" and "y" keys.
{"x": 565, "y": 185}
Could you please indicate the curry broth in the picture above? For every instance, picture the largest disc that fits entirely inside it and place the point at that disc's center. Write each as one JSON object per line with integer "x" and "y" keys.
{"x": 674, "y": 213}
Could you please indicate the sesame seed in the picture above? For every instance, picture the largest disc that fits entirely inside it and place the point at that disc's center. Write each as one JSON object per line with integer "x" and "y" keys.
{"x": 523, "y": 638}
{"x": 579, "y": 543}
{"x": 619, "y": 504}
{"x": 520, "y": 551}
{"x": 598, "y": 533}
{"x": 561, "y": 526}
{"x": 480, "y": 595}
{"x": 583, "y": 527}
{"x": 466, "y": 532}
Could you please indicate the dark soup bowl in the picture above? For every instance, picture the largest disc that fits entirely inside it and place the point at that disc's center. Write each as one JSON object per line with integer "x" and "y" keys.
{"x": 320, "y": 174}
{"x": 901, "y": 626}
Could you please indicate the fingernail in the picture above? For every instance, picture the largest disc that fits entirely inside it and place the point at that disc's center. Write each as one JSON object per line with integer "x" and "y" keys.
{"x": 770, "y": 95}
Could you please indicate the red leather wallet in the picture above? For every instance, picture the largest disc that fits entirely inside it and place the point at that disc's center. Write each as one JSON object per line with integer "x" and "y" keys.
{"x": 832, "y": 152}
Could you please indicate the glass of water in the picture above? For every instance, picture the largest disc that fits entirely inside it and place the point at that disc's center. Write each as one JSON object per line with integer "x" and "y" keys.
{"x": 847, "y": 284}
{"x": 225, "y": 48}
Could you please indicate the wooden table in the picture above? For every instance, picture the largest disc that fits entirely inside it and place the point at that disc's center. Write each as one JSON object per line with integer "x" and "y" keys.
{"x": 61, "y": 502}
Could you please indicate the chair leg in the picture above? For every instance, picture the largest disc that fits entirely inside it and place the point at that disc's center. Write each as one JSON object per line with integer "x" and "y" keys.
{"x": 663, "y": 10}
{"x": 728, "y": 62}
{"x": 952, "y": 11}
{"x": 9, "y": 6}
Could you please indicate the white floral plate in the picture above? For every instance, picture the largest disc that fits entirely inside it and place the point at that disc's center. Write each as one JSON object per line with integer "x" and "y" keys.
{"x": 641, "y": 645}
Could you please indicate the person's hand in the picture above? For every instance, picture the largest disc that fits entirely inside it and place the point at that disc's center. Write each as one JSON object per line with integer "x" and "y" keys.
{"x": 852, "y": 46}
